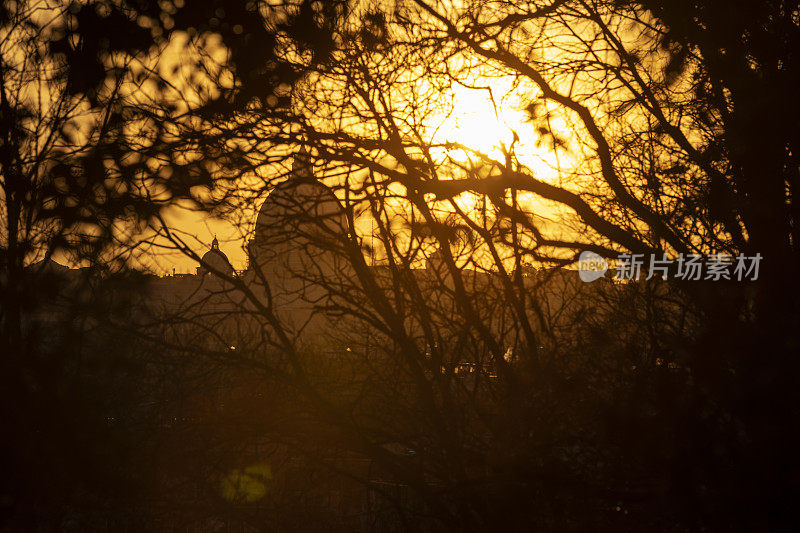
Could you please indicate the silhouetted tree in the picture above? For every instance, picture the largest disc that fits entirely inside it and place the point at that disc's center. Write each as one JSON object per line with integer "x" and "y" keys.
{"x": 74, "y": 190}
{"x": 490, "y": 387}
{"x": 677, "y": 121}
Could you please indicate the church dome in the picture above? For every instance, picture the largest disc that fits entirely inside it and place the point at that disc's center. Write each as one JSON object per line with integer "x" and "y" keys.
{"x": 298, "y": 211}
{"x": 296, "y": 202}
{"x": 215, "y": 260}
{"x": 301, "y": 198}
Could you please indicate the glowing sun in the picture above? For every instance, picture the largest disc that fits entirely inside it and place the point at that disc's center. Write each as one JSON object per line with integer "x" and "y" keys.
{"x": 490, "y": 119}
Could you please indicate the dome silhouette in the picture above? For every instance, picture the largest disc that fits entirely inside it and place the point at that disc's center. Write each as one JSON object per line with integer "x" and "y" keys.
{"x": 298, "y": 211}
{"x": 215, "y": 260}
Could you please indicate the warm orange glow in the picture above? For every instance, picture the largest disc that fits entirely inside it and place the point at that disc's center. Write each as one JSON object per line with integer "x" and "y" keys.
{"x": 486, "y": 116}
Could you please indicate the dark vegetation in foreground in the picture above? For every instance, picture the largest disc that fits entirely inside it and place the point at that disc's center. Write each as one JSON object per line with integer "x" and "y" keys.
{"x": 475, "y": 405}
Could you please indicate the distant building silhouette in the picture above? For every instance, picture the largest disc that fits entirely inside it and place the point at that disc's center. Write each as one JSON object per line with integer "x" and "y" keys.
{"x": 214, "y": 261}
